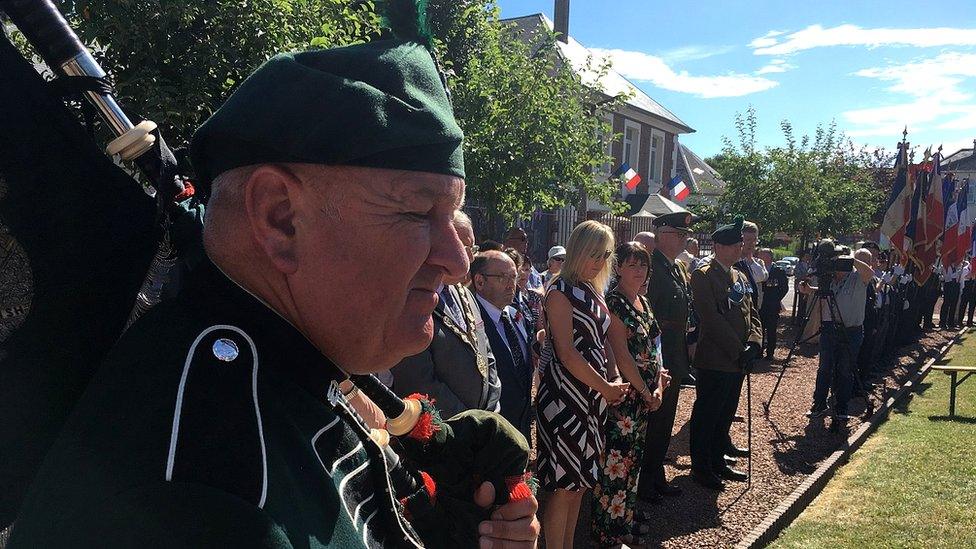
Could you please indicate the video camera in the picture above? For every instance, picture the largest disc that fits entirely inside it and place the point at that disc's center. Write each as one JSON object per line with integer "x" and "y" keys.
{"x": 831, "y": 258}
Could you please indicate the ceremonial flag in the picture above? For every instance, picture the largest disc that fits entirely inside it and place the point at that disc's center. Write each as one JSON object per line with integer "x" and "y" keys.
{"x": 899, "y": 205}
{"x": 964, "y": 230}
{"x": 629, "y": 176}
{"x": 911, "y": 223}
{"x": 77, "y": 235}
{"x": 934, "y": 215}
{"x": 950, "y": 250}
{"x": 677, "y": 188}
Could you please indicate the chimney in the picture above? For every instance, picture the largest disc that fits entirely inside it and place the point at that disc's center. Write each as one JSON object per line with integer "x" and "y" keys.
{"x": 560, "y": 16}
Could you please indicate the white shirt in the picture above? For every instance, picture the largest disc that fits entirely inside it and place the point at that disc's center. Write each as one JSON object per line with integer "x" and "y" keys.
{"x": 495, "y": 314}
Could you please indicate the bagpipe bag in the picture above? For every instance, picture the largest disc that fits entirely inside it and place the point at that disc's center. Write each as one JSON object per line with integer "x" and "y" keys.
{"x": 77, "y": 235}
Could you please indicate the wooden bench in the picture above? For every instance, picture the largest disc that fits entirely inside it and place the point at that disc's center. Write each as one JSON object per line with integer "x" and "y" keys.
{"x": 953, "y": 372}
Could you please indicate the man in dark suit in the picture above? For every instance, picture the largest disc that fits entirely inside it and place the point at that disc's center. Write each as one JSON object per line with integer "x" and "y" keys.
{"x": 493, "y": 277}
{"x": 729, "y": 323}
{"x": 669, "y": 295}
{"x": 773, "y": 291}
{"x": 458, "y": 369}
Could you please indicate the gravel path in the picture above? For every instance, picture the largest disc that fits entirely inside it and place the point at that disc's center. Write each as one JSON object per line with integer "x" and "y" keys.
{"x": 786, "y": 448}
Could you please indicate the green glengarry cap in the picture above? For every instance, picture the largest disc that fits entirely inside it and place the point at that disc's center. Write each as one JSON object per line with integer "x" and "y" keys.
{"x": 378, "y": 105}
{"x": 729, "y": 234}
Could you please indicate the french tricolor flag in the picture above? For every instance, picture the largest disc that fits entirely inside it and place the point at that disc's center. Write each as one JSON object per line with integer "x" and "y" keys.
{"x": 629, "y": 176}
{"x": 677, "y": 188}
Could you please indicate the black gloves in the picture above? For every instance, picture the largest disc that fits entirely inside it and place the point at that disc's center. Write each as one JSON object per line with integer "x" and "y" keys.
{"x": 750, "y": 354}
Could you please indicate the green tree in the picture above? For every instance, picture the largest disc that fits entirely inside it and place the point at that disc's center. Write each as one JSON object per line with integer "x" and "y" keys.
{"x": 808, "y": 187}
{"x": 534, "y": 132}
{"x": 175, "y": 61}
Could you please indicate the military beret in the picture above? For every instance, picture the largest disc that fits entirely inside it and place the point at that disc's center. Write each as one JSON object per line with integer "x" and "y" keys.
{"x": 381, "y": 104}
{"x": 729, "y": 234}
{"x": 677, "y": 220}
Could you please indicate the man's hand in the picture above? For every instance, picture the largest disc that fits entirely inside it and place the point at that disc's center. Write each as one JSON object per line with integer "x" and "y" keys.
{"x": 513, "y": 525}
{"x": 750, "y": 354}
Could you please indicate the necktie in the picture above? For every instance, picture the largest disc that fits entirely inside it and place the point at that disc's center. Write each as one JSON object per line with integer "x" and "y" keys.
{"x": 514, "y": 344}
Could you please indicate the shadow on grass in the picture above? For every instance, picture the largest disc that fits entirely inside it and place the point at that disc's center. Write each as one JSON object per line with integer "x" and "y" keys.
{"x": 954, "y": 419}
{"x": 901, "y": 407}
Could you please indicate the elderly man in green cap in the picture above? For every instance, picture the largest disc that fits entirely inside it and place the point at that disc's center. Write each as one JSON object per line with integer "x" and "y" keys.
{"x": 669, "y": 294}
{"x": 219, "y": 420}
{"x": 731, "y": 335}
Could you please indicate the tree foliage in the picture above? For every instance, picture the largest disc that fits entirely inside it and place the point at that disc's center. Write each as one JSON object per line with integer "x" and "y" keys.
{"x": 820, "y": 185}
{"x": 176, "y": 61}
{"x": 534, "y": 134}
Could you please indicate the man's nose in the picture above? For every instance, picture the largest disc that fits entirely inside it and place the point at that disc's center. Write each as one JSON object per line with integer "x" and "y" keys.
{"x": 447, "y": 251}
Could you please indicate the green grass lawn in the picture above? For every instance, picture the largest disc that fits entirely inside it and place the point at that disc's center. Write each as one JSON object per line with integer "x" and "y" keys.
{"x": 912, "y": 484}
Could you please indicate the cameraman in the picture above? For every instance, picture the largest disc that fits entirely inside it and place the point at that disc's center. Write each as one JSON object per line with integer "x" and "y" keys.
{"x": 836, "y": 358}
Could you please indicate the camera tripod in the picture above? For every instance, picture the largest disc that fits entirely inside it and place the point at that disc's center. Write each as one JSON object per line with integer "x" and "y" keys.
{"x": 825, "y": 296}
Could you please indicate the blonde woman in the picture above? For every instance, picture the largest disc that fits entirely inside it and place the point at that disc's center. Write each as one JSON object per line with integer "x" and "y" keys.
{"x": 573, "y": 388}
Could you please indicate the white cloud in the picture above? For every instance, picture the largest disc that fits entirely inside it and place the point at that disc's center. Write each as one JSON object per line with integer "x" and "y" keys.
{"x": 650, "y": 68}
{"x": 816, "y": 36}
{"x": 766, "y": 40}
{"x": 775, "y": 66}
{"x": 694, "y": 53}
{"x": 941, "y": 97}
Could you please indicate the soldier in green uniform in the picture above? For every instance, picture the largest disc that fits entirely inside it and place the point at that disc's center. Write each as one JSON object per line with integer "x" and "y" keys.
{"x": 669, "y": 295}
{"x": 730, "y": 332}
{"x": 219, "y": 420}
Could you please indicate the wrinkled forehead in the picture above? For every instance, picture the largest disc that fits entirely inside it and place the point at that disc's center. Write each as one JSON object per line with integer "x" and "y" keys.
{"x": 404, "y": 187}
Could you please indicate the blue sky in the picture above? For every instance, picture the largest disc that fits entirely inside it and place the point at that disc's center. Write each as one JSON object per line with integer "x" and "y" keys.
{"x": 872, "y": 66}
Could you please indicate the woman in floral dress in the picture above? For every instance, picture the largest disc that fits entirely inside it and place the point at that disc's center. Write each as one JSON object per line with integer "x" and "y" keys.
{"x": 616, "y": 517}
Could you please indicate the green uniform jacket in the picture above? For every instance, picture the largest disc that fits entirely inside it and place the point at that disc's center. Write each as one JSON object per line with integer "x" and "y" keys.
{"x": 213, "y": 423}
{"x": 725, "y": 326}
{"x": 670, "y": 296}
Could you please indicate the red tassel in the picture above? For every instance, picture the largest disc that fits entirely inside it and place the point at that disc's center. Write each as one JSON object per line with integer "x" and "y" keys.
{"x": 187, "y": 191}
{"x": 430, "y": 486}
{"x": 517, "y": 488}
{"x": 425, "y": 428}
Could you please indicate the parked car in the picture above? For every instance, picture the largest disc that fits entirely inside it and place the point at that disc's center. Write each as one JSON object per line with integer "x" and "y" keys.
{"x": 786, "y": 266}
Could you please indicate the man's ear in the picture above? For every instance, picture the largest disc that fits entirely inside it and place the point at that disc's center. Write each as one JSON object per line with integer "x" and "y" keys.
{"x": 271, "y": 198}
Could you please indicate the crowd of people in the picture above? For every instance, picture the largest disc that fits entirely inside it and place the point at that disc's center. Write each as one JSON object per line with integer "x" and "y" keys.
{"x": 588, "y": 357}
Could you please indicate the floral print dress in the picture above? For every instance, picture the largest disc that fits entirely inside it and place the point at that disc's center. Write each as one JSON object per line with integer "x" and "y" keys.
{"x": 615, "y": 493}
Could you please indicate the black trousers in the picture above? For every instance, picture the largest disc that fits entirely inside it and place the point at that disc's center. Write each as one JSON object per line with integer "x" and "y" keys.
{"x": 660, "y": 423}
{"x": 928, "y": 299}
{"x": 865, "y": 356}
{"x": 967, "y": 303}
{"x": 950, "y": 298}
{"x": 712, "y": 416}
{"x": 769, "y": 321}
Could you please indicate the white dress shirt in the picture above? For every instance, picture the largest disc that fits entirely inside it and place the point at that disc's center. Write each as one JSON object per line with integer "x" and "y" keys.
{"x": 495, "y": 315}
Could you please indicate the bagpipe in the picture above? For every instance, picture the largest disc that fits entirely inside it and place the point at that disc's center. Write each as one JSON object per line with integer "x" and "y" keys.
{"x": 435, "y": 465}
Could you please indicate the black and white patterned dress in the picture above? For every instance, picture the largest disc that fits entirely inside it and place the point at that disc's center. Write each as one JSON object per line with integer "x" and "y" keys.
{"x": 571, "y": 414}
